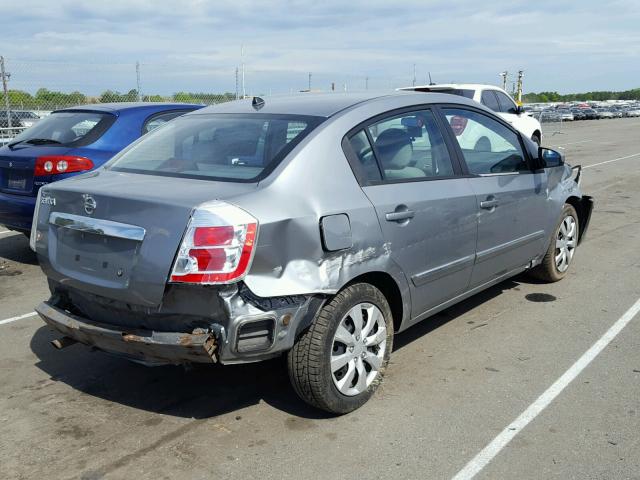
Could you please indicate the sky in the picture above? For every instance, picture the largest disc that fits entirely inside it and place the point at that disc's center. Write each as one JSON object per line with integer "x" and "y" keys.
{"x": 195, "y": 45}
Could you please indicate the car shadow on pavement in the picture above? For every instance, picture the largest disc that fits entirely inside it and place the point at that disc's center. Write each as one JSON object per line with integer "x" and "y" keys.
{"x": 203, "y": 391}
{"x": 439, "y": 319}
{"x": 16, "y": 248}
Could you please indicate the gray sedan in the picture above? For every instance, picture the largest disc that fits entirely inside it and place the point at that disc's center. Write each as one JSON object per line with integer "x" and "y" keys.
{"x": 316, "y": 226}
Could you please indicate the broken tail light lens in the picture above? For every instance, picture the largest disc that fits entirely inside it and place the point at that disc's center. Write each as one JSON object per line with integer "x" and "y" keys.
{"x": 57, "y": 164}
{"x": 217, "y": 247}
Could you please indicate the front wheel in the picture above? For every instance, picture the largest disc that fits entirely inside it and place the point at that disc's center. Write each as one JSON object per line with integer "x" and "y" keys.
{"x": 562, "y": 247}
{"x": 536, "y": 138}
{"x": 338, "y": 363}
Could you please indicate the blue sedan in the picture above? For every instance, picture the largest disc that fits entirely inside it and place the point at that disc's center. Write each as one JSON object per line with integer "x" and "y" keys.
{"x": 69, "y": 142}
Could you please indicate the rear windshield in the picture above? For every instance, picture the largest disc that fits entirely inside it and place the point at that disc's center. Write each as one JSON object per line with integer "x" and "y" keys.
{"x": 70, "y": 129}
{"x": 226, "y": 147}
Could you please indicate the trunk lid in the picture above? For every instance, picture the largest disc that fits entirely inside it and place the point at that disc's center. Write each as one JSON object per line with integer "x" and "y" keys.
{"x": 17, "y": 166}
{"x": 116, "y": 234}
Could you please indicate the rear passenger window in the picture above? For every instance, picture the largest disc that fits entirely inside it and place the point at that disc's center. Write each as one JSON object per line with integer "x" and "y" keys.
{"x": 408, "y": 146}
{"x": 159, "y": 119}
{"x": 367, "y": 165}
{"x": 489, "y": 100}
{"x": 488, "y": 146}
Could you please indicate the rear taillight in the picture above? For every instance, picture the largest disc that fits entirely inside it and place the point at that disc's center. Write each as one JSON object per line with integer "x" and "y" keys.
{"x": 217, "y": 247}
{"x": 57, "y": 164}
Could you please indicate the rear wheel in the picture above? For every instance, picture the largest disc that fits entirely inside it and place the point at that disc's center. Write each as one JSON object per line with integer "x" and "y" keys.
{"x": 562, "y": 247}
{"x": 338, "y": 363}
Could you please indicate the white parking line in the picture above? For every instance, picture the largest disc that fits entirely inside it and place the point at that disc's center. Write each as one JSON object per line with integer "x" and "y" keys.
{"x": 497, "y": 444}
{"x": 8, "y": 232}
{"x": 19, "y": 317}
{"x": 614, "y": 160}
{"x": 572, "y": 143}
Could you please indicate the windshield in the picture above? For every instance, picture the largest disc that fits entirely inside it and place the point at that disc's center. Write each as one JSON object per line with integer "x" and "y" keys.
{"x": 240, "y": 148}
{"x": 68, "y": 128}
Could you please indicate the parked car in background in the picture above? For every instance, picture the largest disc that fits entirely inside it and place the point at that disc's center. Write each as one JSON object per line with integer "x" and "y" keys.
{"x": 565, "y": 114}
{"x": 590, "y": 114}
{"x": 495, "y": 99}
{"x": 315, "y": 226}
{"x": 12, "y": 120}
{"x": 27, "y": 118}
{"x": 69, "y": 142}
{"x": 547, "y": 116}
{"x": 604, "y": 113}
{"x": 578, "y": 114}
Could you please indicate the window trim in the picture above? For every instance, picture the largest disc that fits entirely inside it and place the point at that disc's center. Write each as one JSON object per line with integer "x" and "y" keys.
{"x": 500, "y": 120}
{"x": 458, "y": 169}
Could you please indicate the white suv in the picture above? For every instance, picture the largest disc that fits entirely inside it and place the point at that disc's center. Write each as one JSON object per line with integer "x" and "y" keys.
{"x": 494, "y": 98}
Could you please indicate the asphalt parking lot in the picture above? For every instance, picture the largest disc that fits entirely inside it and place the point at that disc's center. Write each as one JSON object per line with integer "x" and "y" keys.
{"x": 456, "y": 381}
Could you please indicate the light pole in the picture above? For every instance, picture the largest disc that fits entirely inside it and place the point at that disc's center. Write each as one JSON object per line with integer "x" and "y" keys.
{"x": 504, "y": 76}
{"x": 138, "y": 81}
{"x": 5, "y": 79}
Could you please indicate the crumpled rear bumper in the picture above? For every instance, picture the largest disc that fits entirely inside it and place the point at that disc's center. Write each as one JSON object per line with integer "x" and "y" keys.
{"x": 145, "y": 346}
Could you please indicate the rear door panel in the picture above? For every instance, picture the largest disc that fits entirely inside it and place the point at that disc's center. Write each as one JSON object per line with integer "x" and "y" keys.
{"x": 436, "y": 247}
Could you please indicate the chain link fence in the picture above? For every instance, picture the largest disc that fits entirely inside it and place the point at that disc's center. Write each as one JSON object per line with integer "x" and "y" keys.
{"x": 33, "y": 89}
{"x": 551, "y": 121}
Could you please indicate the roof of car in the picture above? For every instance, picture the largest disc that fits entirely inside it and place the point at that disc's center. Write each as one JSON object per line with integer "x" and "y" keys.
{"x": 120, "y": 106}
{"x": 314, "y": 104}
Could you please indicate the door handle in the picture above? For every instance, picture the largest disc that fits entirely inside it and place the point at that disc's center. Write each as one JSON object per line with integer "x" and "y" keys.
{"x": 399, "y": 216}
{"x": 489, "y": 203}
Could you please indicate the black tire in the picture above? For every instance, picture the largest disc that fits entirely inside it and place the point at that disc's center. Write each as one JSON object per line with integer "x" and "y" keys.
{"x": 536, "y": 139}
{"x": 548, "y": 271}
{"x": 309, "y": 360}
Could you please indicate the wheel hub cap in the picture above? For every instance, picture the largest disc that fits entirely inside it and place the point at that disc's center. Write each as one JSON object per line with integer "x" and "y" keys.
{"x": 358, "y": 349}
{"x": 566, "y": 242}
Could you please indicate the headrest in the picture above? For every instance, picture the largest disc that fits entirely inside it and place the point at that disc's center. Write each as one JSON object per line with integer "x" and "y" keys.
{"x": 395, "y": 148}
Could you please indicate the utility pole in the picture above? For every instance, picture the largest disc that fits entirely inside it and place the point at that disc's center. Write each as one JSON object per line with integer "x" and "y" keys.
{"x": 237, "y": 85}
{"x": 366, "y": 83}
{"x": 309, "y": 81}
{"x": 5, "y": 79}
{"x": 414, "y": 75}
{"x": 138, "y": 81}
{"x": 519, "y": 87}
{"x": 244, "y": 91}
{"x": 504, "y": 76}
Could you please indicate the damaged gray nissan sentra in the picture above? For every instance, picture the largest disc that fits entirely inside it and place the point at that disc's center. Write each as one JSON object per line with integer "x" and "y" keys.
{"x": 313, "y": 225}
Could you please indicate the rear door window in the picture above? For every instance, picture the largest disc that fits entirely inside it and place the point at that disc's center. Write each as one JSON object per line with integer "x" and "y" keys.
{"x": 488, "y": 147}
{"x": 490, "y": 101}
{"x": 408, "y": 146}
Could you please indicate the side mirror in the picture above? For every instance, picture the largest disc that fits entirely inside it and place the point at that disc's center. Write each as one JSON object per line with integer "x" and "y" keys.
{"x": 519, "y": 110}
{"x": 550, "y": 158}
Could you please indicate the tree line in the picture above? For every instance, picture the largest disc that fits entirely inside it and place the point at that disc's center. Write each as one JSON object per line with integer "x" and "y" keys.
{"x": 599, "y": 96}
{"x": 45, "y": 99}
